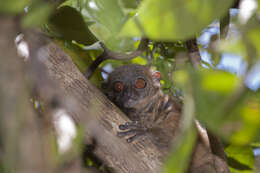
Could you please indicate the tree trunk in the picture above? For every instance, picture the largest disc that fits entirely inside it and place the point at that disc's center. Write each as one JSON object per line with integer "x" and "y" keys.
{"x": 23, "y": 146}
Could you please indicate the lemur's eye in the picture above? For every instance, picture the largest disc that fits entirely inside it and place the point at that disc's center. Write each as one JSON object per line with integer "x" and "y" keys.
{"x": 140, "y": 83}
{"x": 118, "y": 86}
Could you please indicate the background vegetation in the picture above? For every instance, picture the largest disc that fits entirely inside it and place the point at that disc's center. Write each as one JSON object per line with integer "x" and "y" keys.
{"x": 225, "y": 100}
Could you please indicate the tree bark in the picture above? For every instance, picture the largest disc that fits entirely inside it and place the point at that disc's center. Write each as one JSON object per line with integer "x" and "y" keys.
{"x": 23, "y": 146}
{"x": 100, "y": 118}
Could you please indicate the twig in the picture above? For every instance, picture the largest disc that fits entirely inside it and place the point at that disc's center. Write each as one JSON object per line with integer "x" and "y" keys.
{"x": 121, "y": 56}
{"x": 194, "y": 53}
{"x": 108, "y": 54}
{"x": 224, "y": 25}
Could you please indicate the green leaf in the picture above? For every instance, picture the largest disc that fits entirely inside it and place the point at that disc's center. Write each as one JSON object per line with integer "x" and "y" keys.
{"x": 107, "y": 13}
{"x": 174, "y": 19}
{"x": 254, "y": 36}
{"x": 224, "y": 106}
{"x": 240, "y": 159}
{"x": 38, "y": 15}
{"x": 68, "y": 24}
{"x": 129, "y": 3}
{"x": 166, "y": 68}
{"x": 139, "y": 60}
{"x": 249, "y": 112}
{"x": 258, "y": 5}
{"x": 13, "y": 6}
{"x": 108, "y": 18}
{"x": 219, "y": 81}
{"x": 181, "y": 77}
{"x": 255, "y": 144}
{"x": 232, "y": 45}
{"x": 212, "y": 90}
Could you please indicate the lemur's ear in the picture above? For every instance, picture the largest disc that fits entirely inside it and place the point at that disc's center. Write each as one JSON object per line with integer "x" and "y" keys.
{"x": 156, "y": 76}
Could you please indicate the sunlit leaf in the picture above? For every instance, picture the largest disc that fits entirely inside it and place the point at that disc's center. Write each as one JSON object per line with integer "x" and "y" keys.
{"x": 108, "y": 18}
{"x": 240, "y": 159}
{"x": 219, "y": 81}
{"x": 139, "y": 60}
{"x": 181, "y": 77}
{"x": 174, "y": 19}
{"x": 107, "y": 13}
{"x": 250, "y": 113}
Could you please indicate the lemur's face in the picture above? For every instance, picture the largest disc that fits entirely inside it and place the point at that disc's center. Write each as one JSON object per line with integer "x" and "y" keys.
{"x": 129, "y": 84}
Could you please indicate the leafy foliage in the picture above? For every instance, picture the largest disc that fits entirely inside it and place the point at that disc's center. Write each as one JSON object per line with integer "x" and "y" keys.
{"x": 67, "y": 23}
{"x": 13, "y": 6}
{"x": 240, "y": 159}
{"x": 223, "y": 101}
{"x": 180, "y": 19}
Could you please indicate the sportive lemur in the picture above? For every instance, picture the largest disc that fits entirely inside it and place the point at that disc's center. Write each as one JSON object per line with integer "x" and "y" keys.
{"x": 135, "y": 89}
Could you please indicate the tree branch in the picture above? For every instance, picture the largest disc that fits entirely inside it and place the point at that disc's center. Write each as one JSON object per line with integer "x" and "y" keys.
{"x": 23, "y": 136}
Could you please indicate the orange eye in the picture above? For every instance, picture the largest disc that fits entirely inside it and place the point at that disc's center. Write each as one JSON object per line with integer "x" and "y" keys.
{"x": 118, "y": 86}
{"x": 140, "y": 83}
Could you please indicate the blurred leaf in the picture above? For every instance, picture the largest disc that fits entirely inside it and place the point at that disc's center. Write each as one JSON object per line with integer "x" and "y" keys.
{"x": 181, "y": 77}
{"x": 108, "y": 18}
{"x": 130, "y": 3}
{"x": 236, "y": 117}
{"x": 219, "y": 81}
{"x": 71, "y": 3}
{"x": 183, "y": 145}
{"x": 107, "y": 13}
{"x": 255, "y": 144}
{"x": 180, "y": 156}
{"x": 240, "y": 159}
{"x": 258, "y": 5}
{"x": 174, "y": 19}
{"x": 139, "y": 60}
{"x": 232, "y": 45}
{"x": 82, "y": 59}
{"x": 13, "y": 6}
{"x": 68, "y": 24}
{"x": 250, "y": 114}
{"x": 212, "y": 90}
{"x": 38, "y": 15}
{"x": 254, "y": 36}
